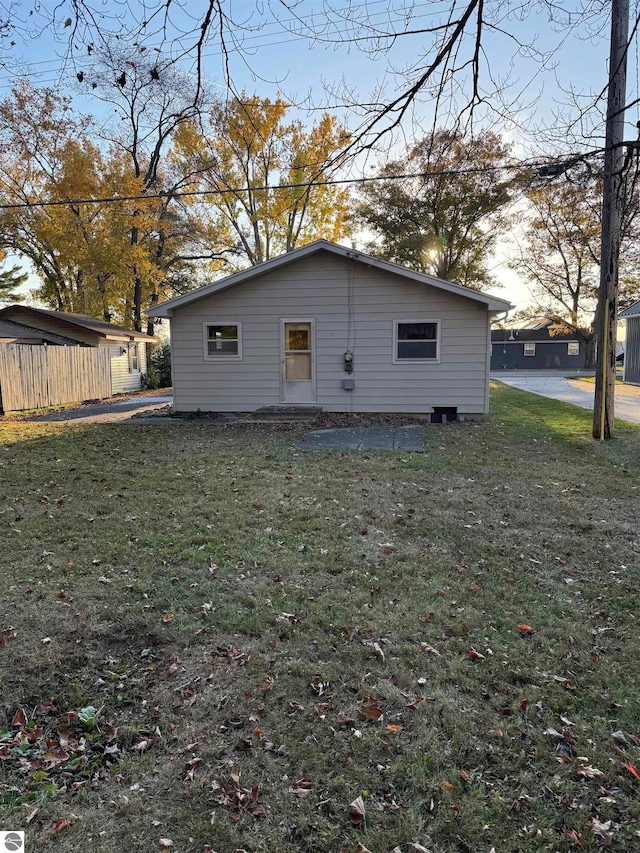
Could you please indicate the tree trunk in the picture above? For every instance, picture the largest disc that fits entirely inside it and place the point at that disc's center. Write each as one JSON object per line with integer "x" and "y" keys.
{"x": 150, "y": 320}
{"x": 589, "y": 344}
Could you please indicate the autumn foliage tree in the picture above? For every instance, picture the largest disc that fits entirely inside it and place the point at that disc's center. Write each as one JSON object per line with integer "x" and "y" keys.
{"x": 444, "y": 219}
{"x": 84, "y": 253}
{"x": 248, "y": 145}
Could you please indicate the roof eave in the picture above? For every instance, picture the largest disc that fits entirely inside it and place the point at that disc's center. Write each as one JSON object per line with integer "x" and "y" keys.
{"x": 166, "y": 309}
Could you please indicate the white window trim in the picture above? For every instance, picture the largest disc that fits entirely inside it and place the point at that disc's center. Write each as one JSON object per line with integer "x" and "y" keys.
{"x": 132, "y": 348}
{"x": 529, "y": 354}
{"x": 394, "y": 352}
{"x": 575, "y": 344}
{"x": 205, "y": 340}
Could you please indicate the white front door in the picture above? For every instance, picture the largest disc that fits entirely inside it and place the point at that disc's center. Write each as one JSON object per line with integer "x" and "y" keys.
{"x": 298, "y": 385}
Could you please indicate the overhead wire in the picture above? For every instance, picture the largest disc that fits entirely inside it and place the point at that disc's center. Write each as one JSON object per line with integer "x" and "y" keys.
{"x": 570, "y": 160}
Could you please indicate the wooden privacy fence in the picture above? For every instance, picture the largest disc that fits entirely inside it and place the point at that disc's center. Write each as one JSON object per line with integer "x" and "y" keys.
{"x": 32, "y": 377}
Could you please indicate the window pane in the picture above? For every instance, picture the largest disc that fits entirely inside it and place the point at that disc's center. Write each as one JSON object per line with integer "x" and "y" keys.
{"x": 220, "y": 347}
{"x": 298, "y": 339}
{"x": 222, "y": 332}
{"x": 529, "y": 349}
{"x": 417, "y": 331}
{"x": 297, "y": 366}
{"x": 417, "y": 349}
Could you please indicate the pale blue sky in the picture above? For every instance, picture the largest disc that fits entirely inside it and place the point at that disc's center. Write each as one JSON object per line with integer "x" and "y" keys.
{"x": 275, "y": 59}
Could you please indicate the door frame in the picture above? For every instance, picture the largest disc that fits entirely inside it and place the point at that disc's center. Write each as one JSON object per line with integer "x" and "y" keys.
{"x": 312, "y": 322}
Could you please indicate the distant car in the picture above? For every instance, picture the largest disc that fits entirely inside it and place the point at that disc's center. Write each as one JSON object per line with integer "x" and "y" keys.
{"x": 620, "y": 358}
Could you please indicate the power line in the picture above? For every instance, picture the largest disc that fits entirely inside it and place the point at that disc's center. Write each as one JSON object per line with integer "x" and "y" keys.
{"x": 244, "y": 45}
{"x": 572, "y": 159}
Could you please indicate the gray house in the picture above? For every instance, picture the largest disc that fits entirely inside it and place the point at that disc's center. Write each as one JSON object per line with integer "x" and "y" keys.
{"x": 329, "y": 326}
{"x": 631, "y": 373}
{"x": 128, "y": 348}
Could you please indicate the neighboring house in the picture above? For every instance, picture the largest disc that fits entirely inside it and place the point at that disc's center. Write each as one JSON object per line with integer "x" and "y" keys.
{"x": 536, "y": 347}
{"x": 17, "y": 333}
{"x": 127, "y": 347}
{"x": 631, "y": 315}
{"x": 331, "y": 327}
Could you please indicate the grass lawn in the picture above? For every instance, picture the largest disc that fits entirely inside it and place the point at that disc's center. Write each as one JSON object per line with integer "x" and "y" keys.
{"x": 266, "y": 636}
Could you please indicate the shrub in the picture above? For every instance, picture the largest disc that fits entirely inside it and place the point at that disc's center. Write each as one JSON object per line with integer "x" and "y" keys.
{"x": 159, "y": 367}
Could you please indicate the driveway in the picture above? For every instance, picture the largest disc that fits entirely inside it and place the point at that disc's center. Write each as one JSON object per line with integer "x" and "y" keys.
{"x": 106, "y": 411}
{"x": 574, "y": 391}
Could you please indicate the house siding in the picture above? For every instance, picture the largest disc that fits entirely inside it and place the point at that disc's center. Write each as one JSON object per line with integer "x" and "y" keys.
{"x": 317, "y": 288}
{"x": 122, "y": 379}
{"x": 550, "y": 355}
{"x": 632, "y": 352}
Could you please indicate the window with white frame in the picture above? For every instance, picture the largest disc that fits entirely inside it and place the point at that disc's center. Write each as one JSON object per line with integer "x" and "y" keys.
{"x": 573, "y": 348}
{"x": 222, "y": 341}
{"x": 134, "y": 358}
{"x": 416, "y": 340}
{"x": 529, "y": 349}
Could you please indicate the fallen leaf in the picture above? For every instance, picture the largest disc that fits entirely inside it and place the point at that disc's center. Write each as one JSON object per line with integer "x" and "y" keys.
{"x": 588, "y": 771}
{"x": 362, "y": 849}
{"x": 601, "y": 831}
{"x": 357, "y": 812}
{"x": 633, "y": 770}
{"x": 474, "y": 655}
{"x": 19, "y": 719}
{"x": 60, "y": 824}
{"x": 392, "y": 727}
{"x": 574, "y": 836}
{"x": 413, "y": 706}
{"x": 165, "y": 842}
{"x": 525, "y": 630}
{"x": 447, "y": 787}
{"x": 173, "y": 668}
{"x": 370, "y": 709}
{"x": 303, "y": 786}
{"x": 167, "y": 617}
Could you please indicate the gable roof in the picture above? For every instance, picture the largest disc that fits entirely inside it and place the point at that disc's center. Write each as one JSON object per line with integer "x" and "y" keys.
{"x": 166, "y": 309}
{"x": 20, "y": 333}
{"x": 631, "y": 311}
{"x": 79, "y": 321}
{"x": 530, "y": 336}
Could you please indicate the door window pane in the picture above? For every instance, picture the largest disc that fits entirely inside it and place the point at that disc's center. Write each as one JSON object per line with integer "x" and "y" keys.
{"x": 297, "y": 366}
{"x": 298, "y": 339}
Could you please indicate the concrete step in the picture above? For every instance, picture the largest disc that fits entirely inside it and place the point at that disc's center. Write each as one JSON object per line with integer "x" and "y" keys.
{"x": 286, "y": 414}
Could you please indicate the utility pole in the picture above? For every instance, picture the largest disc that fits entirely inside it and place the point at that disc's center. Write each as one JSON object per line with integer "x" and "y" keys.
{"x": 606, "y": 328}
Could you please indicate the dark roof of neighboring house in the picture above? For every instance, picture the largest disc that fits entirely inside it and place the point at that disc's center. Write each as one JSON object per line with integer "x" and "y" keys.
{"x": 80, "y": 321}
{"x": 530, "y": 336}
{"x": 631, "y": 311}
{"x": 19, "y": 333}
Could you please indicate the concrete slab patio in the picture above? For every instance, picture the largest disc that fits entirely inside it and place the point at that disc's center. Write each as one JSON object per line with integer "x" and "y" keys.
{"x": 408, "y": 438}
